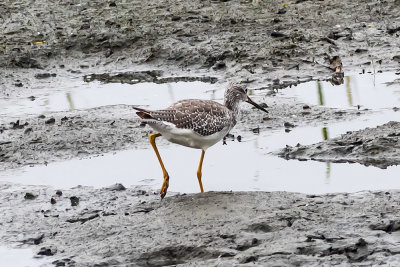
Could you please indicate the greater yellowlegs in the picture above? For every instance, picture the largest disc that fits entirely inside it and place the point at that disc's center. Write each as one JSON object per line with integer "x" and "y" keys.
{"x": 195, "y": 123}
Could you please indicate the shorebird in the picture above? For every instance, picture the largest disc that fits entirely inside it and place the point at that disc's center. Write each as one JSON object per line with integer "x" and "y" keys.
{"x": 195, "y": 123}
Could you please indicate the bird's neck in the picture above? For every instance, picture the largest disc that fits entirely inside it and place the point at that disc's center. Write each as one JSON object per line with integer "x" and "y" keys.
{"x": 233, "y": 105}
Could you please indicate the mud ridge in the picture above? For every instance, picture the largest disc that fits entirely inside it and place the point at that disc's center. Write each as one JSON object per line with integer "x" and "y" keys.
{"x": 377, "y": 146}
{"x": 144, "y": 76}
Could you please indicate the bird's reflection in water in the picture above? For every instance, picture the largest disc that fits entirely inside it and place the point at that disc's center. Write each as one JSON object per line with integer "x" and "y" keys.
{"x": 70, "y": 101}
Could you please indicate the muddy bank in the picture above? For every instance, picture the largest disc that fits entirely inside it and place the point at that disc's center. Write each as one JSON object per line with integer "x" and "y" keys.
{"x": 378, "y": 147}
{"x": 42, "y": 139}
{"x": 81, "y": 133}
{"x": 257, "y": 41}
{"x": 117, "y": 226}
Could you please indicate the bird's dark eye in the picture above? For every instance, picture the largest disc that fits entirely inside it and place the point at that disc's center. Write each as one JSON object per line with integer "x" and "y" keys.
{"x": 245, "y": 90}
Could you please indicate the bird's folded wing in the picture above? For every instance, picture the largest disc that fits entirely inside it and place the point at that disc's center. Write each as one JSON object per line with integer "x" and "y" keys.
{"x": 202, "y": 116}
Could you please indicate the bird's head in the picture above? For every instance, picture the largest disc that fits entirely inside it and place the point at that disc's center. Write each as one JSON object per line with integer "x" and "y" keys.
{"x": 238, "y": 92}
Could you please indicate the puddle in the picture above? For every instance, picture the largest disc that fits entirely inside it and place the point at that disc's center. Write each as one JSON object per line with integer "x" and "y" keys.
{"x": 80, "y": 95}
{"x": 225, "y": 168}
{"x": 20, "y": 257}
{"x": 243, "y": 166}
{"x": 367, "y": 91}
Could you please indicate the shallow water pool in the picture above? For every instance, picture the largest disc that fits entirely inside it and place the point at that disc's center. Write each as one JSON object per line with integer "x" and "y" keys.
{"x": 81, "y": 95}
{"x": 371, "y": 91}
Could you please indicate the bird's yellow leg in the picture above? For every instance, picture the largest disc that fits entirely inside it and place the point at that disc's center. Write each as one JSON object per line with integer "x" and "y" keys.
{"x": 199, "y": 170}
{"x": 164, "y": 187}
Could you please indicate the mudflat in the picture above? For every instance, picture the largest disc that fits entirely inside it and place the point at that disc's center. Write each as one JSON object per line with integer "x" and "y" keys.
{"x": 270, "y": 45}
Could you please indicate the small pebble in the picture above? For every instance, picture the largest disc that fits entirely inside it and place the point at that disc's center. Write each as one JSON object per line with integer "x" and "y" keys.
{"x": 30, "y": 196}
{"x": 288, "y": 125}
{"x": 50, "y": 121}
{"x": 74, "y": 201}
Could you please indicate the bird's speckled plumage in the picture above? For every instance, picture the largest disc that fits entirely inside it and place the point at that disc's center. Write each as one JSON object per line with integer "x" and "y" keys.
{"x": 204, "y": 117}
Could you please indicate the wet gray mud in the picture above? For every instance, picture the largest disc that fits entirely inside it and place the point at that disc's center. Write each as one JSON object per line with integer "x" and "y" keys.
{"x": 41, "y": 139}
{"x": 377, "y": 146}
{"x": 113, "y": 225}
{"x": 46, "y": 45}
{"x": 256, "y": 41}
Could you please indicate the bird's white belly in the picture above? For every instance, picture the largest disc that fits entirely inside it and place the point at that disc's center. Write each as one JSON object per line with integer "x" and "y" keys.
{"x": 187, "y": 137}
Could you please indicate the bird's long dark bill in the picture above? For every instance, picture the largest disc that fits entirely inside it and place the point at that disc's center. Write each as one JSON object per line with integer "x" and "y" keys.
{"x": 256, "y": 105}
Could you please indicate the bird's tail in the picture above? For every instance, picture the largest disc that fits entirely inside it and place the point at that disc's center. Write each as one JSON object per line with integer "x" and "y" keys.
{"x": 143, "y": 113}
